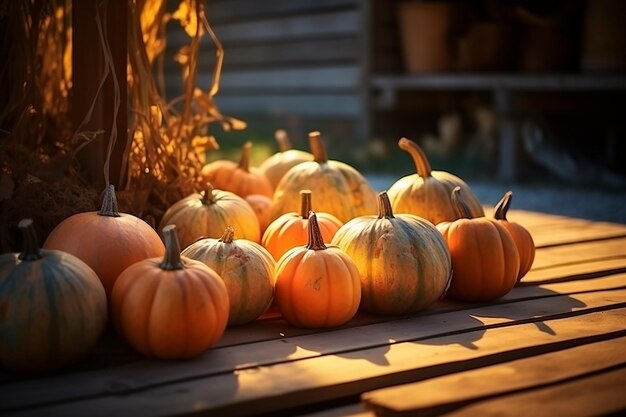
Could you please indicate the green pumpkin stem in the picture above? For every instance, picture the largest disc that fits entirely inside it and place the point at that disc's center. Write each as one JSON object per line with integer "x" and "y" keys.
{"x": 109, "y": 203}
{"x": 305, "y": 203}
{"x": 317, "y": 148}
{"x": 207, "y": 194}
{"x": 244, "y": 162}
{"x": 284, "y": 144}
{"x": 384, "y": 206}
{"x": 171, "y": 260}
{"x": 419, "y": 157}
{"x": 228, "y": 236}
{"x": 316, "y": 241}
{"x": 460, "y": 206}
{"x": 30, "y": 245}
{"x": 503, "y": 205}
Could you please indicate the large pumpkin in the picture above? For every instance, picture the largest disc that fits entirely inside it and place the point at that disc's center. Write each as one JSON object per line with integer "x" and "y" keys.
{"x": 275, "y": 167}
{"x": 241, "y": 178}
{"x": 171, "y": 307}
{"x": 403, "y": 260}
{"x": 522, "y": 237}
{"x": 107, "y": 241}
{"x": 317, "y": 286}
{"x": 338, "y": 188}
{"x": 209, "y": 213}
{"x": 53, "y": 307}
{"x": 246, "y": 268}
{"x": 428, "y": 193}
{"x": 485, "y": 261}
{"x": 291, "y": 229}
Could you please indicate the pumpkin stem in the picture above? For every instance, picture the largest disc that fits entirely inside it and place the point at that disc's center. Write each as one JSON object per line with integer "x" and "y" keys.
{"x": 317, "y": 148}
{"x": 228, "y": 236}
{"x": 30, "y": 251}
{"x": 503, "y": 205}
{"x": 244, "y": 162}
{"x": 419, "y": 157}
{"x": 207, "y": 194}
{"x": 316, "y": 241}
{"x": 305, "y": 205}
{"x": 109, "y": 203}
{"x": 384, "y": 206}
{"x": 171, "y": 260}
{"x": 459, "y": 204}
{"x": 284, "y": 144}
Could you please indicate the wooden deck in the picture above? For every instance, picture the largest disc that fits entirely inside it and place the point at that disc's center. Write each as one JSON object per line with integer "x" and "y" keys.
{"x": 553, "y": 346}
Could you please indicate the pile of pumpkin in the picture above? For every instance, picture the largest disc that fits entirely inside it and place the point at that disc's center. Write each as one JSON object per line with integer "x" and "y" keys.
{"x": 297, "y": 234}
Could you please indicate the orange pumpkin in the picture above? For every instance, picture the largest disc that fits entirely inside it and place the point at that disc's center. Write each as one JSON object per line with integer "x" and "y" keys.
{"x": 107, "y": 241}
{"x": 291, "y": 229}
{"x": 241, "y": 178}
{"x": 317, "y": 286}
{"x": 171, "y": 307}
{"x": 485, "y": 261}
{"x": 402, "y": 259}
{"x": 522, "y": 237}
{"x": 209, "y": 213}
{"x": 262, "y": 206}
{"x": 246, "y": 268}
{"x": 275, "y": 167}
{"x": 428, "y": 193}
{"x": 339, "y": 189}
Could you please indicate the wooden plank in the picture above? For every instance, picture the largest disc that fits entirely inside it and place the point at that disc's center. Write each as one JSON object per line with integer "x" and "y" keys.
{"x": 265, "y": 389}
{"x": 574, "y": 271}
{"x": 443, "y": 394}
{"x": 578, "y": 253}
{"x": 219, "y": 11}
{"x": 145, "y": 375}
{"x": 304, "y": 105}
{"x": 352, "y": 410}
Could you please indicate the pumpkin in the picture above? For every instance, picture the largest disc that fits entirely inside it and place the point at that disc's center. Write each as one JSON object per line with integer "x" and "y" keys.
{"x": 107, "y": 241}
{"x": 262, "y": 206}
{"x": 278, "y": 164}
{"x": 521, "y": 236}
{"x": 428, "y": 193}
{"x": 241, "y": 178}
{"x": 339, "y": 189}
{"x": 403, "y": 261}
{"x": 53, "y": 307}
{"x": 246, "y": 268}
{"x": 485, "y": 261}
{"x": 171, "y": 307}
{"x": 207, "y": 215}
{"x": 291, "y": 229}
{"x": 317, "y": 286}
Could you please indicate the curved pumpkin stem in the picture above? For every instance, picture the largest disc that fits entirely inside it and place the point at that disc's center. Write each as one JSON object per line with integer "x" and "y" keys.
{"x": 228, "y": 236}
{"x": 305, "y": 203}
{"x": 384, "y": 206}
{"x": 460, "y": 206}
{"x": 503, "y": 205}
{"x": 109, "y": 203}
{"x": 284, "y": 144}
{"x": 419, "y": 157}
{"x": 207, "y": 196}
{"x": 316, "y": 241}
{"x": 30, "y": 245}
{"x": 244, "y": 162}
{"x": 317, "y": 148}
{"x": 171, "y": 260}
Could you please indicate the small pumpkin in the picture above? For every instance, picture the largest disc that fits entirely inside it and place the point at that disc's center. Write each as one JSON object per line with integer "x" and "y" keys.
{"x": 339, "y": 189}
{"x": 53, "y": 307}
{"x": 241, "y": 178}
{"x": 207, "y": 215}
{"x": 522, "y": 237}
{"x": 403, "y": 261}
{"x": 291, "y": 229}
{"x": 428, "y": 193}
{"x": 246, "y": 268}
{"x": 485, "y": 261}
{"x": 262, "y": 206}
{"x": 317, "y": 286}
{"x": 108, "y": 241}
{"x": 171, "y": 307}
{"x": 275, "y": 167}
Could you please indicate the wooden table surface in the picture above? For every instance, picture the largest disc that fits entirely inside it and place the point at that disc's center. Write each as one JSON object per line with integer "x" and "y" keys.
{"x": 554, "y": 346}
